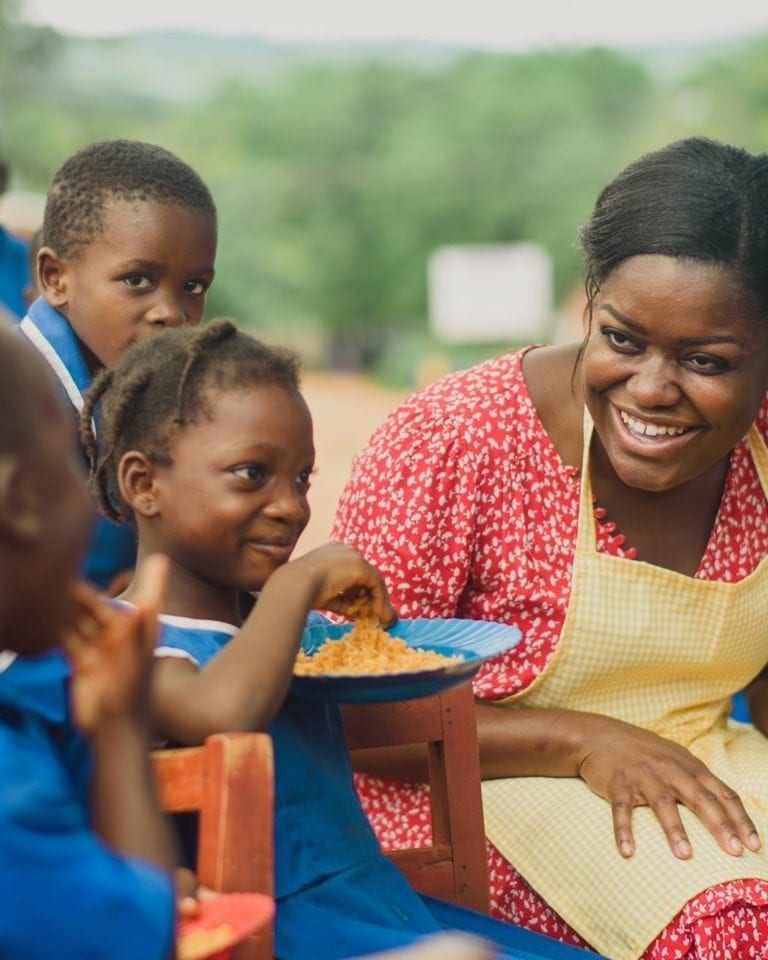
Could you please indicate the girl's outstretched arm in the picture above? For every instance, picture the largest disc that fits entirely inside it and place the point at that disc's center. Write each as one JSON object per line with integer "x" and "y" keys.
{"x": 244, "y": 684}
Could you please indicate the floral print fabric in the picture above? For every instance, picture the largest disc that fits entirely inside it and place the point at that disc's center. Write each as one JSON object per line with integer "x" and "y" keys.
{"x": 463, "y": 503}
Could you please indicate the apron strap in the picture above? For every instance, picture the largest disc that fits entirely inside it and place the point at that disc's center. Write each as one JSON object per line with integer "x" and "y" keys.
{"x": 759, "y": 452}
{"x": 586, "y": 536}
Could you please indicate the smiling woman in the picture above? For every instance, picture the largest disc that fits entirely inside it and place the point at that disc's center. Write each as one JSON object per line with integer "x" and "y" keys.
{"x": 611, "y": 499}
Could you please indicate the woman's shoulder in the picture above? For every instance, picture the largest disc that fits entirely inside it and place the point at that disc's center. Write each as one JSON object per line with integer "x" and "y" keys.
{"x": 465, "y": 403}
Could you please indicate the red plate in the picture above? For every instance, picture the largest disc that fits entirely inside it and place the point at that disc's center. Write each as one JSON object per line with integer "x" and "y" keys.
{"x": 243, "y": 913}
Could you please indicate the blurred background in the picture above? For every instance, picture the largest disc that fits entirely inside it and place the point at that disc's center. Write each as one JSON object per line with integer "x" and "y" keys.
{"x": 400, "y": 186}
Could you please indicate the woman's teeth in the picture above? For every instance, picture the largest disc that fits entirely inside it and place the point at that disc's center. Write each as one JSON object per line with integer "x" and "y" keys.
{"x": 642, "y": 429}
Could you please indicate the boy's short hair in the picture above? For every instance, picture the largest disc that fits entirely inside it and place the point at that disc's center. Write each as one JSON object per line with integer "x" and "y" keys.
{"x": 128, "y": 170}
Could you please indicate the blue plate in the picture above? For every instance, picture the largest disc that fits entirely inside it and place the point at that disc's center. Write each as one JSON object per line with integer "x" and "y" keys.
{"x": 475, "y": 640}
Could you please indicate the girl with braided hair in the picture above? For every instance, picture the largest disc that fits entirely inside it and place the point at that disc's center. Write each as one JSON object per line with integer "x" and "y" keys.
{"x": 205, "y": 445}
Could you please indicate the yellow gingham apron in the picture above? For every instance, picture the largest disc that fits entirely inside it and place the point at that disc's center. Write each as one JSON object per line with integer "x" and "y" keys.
{"x": 663, "y": 651}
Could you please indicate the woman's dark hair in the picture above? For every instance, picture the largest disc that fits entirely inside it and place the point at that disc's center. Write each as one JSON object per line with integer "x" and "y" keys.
{"x": 162, "y": 384}
{"x": 694, "y": 198}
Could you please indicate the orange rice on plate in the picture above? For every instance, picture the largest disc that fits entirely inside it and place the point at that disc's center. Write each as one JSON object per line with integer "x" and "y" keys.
{"x": 368, "y": 649}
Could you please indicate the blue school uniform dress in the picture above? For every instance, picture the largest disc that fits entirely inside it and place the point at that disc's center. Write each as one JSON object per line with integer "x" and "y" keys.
{"x": 63, "y": 892}
{"x": 113, "y": 547}
{"x": 337, "y": 895}
{"x": 40, "y": 686}
{"x": 14, "y": 272}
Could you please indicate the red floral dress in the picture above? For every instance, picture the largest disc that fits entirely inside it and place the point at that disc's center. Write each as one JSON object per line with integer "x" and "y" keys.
{"x": 463, "y": 503}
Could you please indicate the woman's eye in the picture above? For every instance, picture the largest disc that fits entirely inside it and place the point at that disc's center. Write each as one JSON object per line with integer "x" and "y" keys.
{"x": 137, "y": 281}
{"x": 196, "y": 287}
{"x": 706, "y": 363}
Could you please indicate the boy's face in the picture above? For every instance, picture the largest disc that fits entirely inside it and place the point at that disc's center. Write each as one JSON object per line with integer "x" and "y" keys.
{"x": 47, "y": 520}
{"x": 149, "y": 268}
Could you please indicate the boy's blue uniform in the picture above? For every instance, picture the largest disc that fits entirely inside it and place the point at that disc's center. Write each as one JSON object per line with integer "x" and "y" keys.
{"x": 337, "y": 895}
{"x": 63, "y": 892}
{"x": 113, "y": 547}
{"x": 14, "y": 272}
{"x": 40, "y": 686}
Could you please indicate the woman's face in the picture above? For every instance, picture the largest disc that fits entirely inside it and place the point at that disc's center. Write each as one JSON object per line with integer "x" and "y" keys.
{"x": 674, "y": 369}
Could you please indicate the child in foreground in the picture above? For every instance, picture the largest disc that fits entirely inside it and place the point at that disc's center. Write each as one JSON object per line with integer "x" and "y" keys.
{"x": 74, "y": 883}
{"x": 127, "y": 248}
{"x": 206, "y": 445}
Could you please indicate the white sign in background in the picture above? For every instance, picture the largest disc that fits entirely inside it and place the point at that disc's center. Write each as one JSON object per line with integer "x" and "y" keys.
{"x": 490, "y": 293}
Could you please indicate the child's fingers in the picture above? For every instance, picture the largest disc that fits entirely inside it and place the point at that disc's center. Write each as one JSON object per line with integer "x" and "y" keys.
{"x": 87, "y": 618}
{"x": 187, "y": 907}
{"x": 366, "y": 601}
{"x": 382, "y": 609}
{"x": 151, "y": 581}
{"x": 86, "y": 603}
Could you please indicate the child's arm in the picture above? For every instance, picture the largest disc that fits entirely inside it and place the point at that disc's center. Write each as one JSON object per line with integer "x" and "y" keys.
{"x": 111, "y": 649}
{"x": 243, "y": 686}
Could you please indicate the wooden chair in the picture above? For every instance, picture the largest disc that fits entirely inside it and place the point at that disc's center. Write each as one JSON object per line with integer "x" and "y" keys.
{"x": 455, "y": 866}
{"x": 229, "y": 781}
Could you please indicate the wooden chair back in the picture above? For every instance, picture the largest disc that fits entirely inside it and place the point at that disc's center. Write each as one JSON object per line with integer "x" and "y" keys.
{"x": 229, "y": 781}
{"x": 455, "y": 866}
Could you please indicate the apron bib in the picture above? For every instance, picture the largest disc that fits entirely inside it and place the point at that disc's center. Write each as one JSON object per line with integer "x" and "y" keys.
{"x": 663, "y": 651}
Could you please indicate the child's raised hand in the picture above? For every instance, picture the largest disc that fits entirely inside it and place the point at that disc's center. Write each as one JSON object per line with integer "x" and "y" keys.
{"x": 189, "y": 893}
{"x": 110, "y": 649}
{"x": 347, "y": 584}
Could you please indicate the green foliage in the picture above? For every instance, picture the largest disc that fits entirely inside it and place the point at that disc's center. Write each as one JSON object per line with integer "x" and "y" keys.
{"x": 336, "y": 178}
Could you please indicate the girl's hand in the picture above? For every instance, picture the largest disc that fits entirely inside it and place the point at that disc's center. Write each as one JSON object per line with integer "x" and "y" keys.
{"x": 110, "y": 649}
{"x": 346, "y": 583}
{"x": 631, "y": 767}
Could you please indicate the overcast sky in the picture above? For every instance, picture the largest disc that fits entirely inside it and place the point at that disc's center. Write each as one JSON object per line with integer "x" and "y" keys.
{"x": 497, "y": 24}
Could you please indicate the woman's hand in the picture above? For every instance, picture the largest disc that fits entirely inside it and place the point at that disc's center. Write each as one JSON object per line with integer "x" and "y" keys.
{"x": 630, "y": 767}
{"x": 347, "y": 584}
{"x": 110, "y": 649}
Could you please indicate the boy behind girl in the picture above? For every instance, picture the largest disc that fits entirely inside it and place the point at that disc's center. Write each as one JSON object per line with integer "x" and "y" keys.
{"x": 128, "y": 247}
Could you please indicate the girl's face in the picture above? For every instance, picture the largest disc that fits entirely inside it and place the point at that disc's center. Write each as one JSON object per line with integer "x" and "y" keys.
{"x": 674, "y": 369}
{"x": 233, "y": 501}
{"x": 149, "y": 268}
